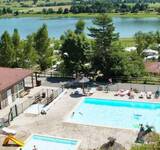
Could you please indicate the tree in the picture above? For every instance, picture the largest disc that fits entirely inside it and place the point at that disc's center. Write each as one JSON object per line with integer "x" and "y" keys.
{"x": 16, "y": 47}
{"x": 104, "y": 36}
{"x": 73, "y": 52}
{"x": 152, "y": 142}
{"x": 4, "y": 10}
{"x": 80, "y": 25}
{"x": 44, "y": 11}
{"x": 42, "y": 47}
{"x": 29, "y": 54}
{"x": 16, "y": 13}
{"x": 60, "y": 10}
{"x": 126, "y": 64}
{"x": 157, "y": 37}
{"x": 6, "y": 50}
{"x": 158, "y": 10}
{"x": 35, "y": 2}
{"x": 143, "y": 40}
{"x": 66, "y": 11}
{"x": 50, "y": 11}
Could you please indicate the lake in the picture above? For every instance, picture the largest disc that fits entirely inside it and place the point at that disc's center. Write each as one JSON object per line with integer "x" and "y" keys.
{"x": 126, "y": 27}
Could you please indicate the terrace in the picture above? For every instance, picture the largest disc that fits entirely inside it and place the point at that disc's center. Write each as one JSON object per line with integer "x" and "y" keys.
{"x": 54, "y": 124}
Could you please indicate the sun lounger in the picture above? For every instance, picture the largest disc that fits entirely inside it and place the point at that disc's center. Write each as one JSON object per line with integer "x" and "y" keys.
{"x": 92, "y": 91}
{"x": 8, "y": 131}
{"x": 142, "y": 95}
{"x": 78, "y": 91}
{"x": 131, "y": 96}
{"x": 149, "y": 95}
{"x": 119, "y": 92}
{"x": 124, "y": 93}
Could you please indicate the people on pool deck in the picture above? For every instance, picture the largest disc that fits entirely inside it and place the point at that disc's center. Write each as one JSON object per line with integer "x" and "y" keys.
{"x": 131, "y": 94}
{"x": 73, "y": 114}
{"x": 148, "y": 130}
{"x": 142, "y": 133}
{"x": 34, "y": 148}
{"x": 141, "y": 128}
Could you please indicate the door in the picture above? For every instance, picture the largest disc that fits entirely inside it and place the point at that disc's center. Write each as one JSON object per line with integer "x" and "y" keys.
{"x": 9, "y": 97}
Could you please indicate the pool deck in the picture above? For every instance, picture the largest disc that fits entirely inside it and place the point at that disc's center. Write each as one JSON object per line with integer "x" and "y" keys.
{"x": 53, "y": 124}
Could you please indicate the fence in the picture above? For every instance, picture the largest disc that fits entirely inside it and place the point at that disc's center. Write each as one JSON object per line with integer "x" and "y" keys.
{"x": 152, "y": 79}
{"x": 17, "y": 109}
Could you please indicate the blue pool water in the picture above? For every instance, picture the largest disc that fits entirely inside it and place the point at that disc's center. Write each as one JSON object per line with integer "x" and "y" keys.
{"x": 43, "y": 142}
{"x": 116, "y": 113}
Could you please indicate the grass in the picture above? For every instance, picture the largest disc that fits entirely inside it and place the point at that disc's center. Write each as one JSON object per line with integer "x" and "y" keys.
{"x": 154, "y": 5}
{"x": 81, "y": 15}
{"x": 127, "y": 42}
{"x": 39, "y": 9}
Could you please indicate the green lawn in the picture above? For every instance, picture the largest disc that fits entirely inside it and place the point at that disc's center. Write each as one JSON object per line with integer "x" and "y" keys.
{"x": 127, "y": 42}
{"x": 154, "y": 5}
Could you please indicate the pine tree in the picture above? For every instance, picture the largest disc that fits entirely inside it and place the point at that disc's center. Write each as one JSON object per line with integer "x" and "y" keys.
{"x": 16, "y": 47}
{"x": 104, "y": 35}
{"x": 80, "y": 25}
{"x": 42, "y": 47}
{"x": 6, "y": 50}
{"x": 29, "y": 54}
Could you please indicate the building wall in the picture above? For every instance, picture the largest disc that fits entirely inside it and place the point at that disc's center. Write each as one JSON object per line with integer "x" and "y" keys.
{"x": 15, "y": 91}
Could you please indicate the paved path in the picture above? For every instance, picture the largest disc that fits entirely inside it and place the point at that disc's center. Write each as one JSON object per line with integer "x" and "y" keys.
{"x": 53, "y": 124}
{"x": 113, "y": 87}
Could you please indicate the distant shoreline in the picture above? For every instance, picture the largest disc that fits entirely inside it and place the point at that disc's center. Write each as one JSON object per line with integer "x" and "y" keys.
{"x": 86, "y": 15}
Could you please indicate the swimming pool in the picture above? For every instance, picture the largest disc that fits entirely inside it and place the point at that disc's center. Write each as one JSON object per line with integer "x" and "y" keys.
{"x": 43, "y": 142}
{"x": 116, "y": 113}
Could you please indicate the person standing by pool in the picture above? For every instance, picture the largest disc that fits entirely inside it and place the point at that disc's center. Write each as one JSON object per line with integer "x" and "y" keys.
{"x": 34, "y": 147}
{"x": 141, "y": 128}
{"x": 73, "y": 114}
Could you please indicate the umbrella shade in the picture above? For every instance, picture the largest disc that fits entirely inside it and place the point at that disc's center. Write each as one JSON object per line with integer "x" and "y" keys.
{"x": 115, "y": 146}
{"x": 112, "y": 145}
{"x": 84, "y": 80}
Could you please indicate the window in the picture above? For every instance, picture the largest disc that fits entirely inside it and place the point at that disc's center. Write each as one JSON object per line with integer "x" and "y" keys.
{"x": 19, "y": 88}
{"x": 4, "y": 103}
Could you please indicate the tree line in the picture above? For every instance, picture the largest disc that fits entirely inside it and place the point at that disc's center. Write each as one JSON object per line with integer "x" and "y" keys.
{"x": 33, "y": 51}
{"x": 103, "y": 53}
{"x": 8, "y": 10}
{"x": 91, "y": 6}
{"x": 108, "y": 7}
{"x": 147, "y": 40}
{"x": 99, "y": 7}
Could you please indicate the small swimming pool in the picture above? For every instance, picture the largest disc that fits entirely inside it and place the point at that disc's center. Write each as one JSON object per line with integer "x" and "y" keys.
{"x": 50, "y": 143}
{"x": 116, "y": 113}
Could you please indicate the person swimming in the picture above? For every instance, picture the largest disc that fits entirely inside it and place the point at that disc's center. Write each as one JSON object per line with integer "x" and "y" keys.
{"x": 73, "y": 113}
{"x": 81, "y": 113}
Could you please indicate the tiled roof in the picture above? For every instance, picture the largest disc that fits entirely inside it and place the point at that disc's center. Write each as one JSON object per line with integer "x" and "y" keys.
{"x": 10, "y": 76}
{"x": 153, "y": 67}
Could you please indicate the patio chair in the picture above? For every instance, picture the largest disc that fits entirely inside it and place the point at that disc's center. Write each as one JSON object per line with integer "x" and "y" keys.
{"x": 7, "y": 131}
{"x": 78, "y": 91}
{"x": 141, "y": 95}
{"x": 157, "y": 94}
{"x": 10, "y": 137}
{"x": 119, "y": 92}
{"x": 149, "y": 95}
{"x": 124, "y": 93}
{"x": 92, "y": 91}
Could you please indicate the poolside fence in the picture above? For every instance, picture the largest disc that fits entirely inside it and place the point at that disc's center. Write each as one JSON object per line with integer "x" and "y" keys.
{"x": 17, "y": 109}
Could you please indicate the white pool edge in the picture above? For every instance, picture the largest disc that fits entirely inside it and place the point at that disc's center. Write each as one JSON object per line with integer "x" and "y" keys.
{"x": 50, "y": 105}
{"x": 50, "y": 136}
{"x": 68, "y": 116}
